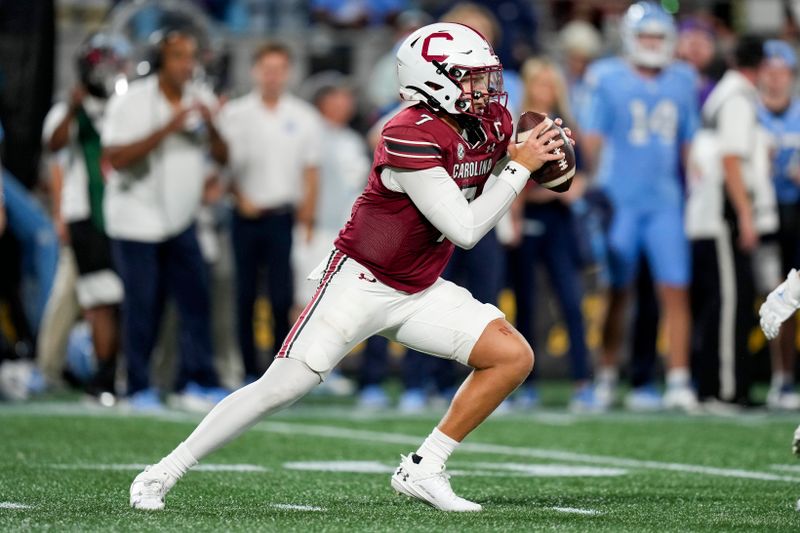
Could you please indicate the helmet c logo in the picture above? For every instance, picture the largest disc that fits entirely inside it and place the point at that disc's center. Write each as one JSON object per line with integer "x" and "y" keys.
{"x": 426, "y": 43}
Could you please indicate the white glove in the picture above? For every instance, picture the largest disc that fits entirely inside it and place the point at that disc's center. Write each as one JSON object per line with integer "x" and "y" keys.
{"x": 796, "y": 442}
{"x": 780, "y": 305}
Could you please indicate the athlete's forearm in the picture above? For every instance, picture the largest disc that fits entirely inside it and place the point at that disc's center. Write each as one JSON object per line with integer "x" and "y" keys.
{"x": 438, "y": 197}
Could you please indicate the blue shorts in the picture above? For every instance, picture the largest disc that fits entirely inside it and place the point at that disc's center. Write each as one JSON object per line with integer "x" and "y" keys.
{"x": 659, "y": 235}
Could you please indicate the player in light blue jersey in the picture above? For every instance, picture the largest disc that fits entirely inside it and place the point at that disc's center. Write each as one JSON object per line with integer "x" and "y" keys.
{"x": 641, "y": 114}
{"x": 779, "y": 112}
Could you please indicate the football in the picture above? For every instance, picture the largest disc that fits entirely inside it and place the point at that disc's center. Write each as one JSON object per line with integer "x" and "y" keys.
{"x": 554, "y": 175}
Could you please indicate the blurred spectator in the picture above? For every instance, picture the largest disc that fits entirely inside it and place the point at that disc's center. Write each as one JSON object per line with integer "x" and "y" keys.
{"x": 74, "y": 127}
{"x": 731, "y": 202}
{"x": 341, "y": 180}
{"x": 381, "y": 90}
{"x": 274, "y": 140}
{"x": 548, "y": 229}
{"x": 357, "y": 13}
{"x": 21, "y": 221}
{"x": 638, "y": 120}
{"x": 62, "y": 309}
{"x": 483, "y": 20}
{"x": 519, "y": 23}
{"x": 696, "y": 46}
{"x": 32, "y": 256}
{"x": 779, "y": 112}
{"x": 580, "y": 44}
{"x": 155, "y": 138}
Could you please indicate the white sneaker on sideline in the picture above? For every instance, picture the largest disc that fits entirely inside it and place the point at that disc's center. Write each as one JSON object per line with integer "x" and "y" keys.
{"x": 150, "y": 487}
{"x": 681, "y": 397}
{"x": 605, "y": 394}
{"x": 783, "y": 399}
{"x": 430, "y": 484}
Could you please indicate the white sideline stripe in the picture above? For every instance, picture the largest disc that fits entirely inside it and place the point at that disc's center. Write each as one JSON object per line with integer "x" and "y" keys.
{"x": 198, "y": 468}
{"x": 293, "y": 507}
{"x": 351, "y": 467}
{"x": 472, "y": 469}
{"x": 12, "y": 505}
{"x": 575, "y": 510}
{"x": 414, "y": 440}
{"x": 795, "y": 469}
{"x": 555, "y": 417}
{"x": 554, "y": 470}
{"x": 499, "y": 449}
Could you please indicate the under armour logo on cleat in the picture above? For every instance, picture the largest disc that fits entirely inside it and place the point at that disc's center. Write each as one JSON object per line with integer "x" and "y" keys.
{"x": 363, "y": 276}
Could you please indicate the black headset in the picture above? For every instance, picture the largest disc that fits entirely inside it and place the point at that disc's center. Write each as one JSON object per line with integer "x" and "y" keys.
{"x": 159, "y": 39}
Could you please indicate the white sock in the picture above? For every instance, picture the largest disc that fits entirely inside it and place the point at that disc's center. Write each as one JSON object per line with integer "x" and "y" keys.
{"x": 437, "y": 447}
{"x": 678, "y": 377}
{"x": 284, "y": 382}
{"x": 779, "y": 379}
{"x": 178, "y": 462}
{"x": 608, "y": 375}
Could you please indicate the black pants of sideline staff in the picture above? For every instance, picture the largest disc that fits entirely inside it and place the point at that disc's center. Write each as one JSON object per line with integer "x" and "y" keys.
{"x": 262, "y": 243}
{"x": 150, "y": 272}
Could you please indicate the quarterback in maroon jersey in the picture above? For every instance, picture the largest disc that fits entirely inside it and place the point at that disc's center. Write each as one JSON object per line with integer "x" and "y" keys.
{"x": 443, "y": 175}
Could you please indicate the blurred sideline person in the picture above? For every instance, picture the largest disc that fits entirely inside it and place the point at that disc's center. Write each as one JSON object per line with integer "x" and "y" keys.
{"x": 62, "y": 309}
{"x": 779, "y": 112}
{"x": 274, "y": 140}
{"x": 697, "y": 46}
{"x": 75, "y": 127}
{"x": 731, "y": 202}
{"x": 382, "y": 277}
{"x": 548, "y": 236}
{"x": 579, "y": 43}
{"x": 638, "y": 121}
{"x": 341, "y": 179}
{"x": 481, "y": 18}
{"x": 155, "y": 138}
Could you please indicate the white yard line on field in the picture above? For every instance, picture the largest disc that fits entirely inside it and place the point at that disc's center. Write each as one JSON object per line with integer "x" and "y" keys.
{"x": 575, "y": 510}
{"x": 293, "y": 507}
{"x": 518, "y": 451}
{"x": 136, "y": 467}
{"x": 351, "y": 434}
{"x": 13, "y": 505}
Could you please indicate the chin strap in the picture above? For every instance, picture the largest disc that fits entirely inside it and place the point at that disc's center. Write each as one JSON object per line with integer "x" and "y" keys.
{"x": 473, "y": 127}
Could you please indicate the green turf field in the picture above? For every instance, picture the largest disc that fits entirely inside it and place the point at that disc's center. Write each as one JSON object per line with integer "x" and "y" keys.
{"x": 67, "y": 467}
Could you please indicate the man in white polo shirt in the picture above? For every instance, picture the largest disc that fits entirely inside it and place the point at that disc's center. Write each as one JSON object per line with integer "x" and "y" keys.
{"x": 274, "y": 141}
{"x": 156, "y": 138}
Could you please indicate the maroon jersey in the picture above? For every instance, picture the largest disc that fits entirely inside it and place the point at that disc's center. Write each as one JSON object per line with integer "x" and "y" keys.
{"x": 386, "y": 232}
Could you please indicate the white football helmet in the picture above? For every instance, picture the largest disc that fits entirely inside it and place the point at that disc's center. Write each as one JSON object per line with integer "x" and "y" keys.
{"x": 648, "y": 18}
{"x": 450, "y": 67}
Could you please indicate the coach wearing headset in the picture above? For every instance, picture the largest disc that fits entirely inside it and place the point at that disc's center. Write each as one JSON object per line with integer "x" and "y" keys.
{"x": 156, "y": 138}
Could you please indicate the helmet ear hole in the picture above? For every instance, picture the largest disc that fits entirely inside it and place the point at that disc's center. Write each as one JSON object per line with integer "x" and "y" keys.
{"x": 434, "y": 86}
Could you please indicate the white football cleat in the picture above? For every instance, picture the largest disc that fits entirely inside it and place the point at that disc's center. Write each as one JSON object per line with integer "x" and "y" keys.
{"x": 681, "y": 397}
{"x": 430, "y": 484}
{"x": 150, "y": 487}
{"x": 796, "y": 442}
